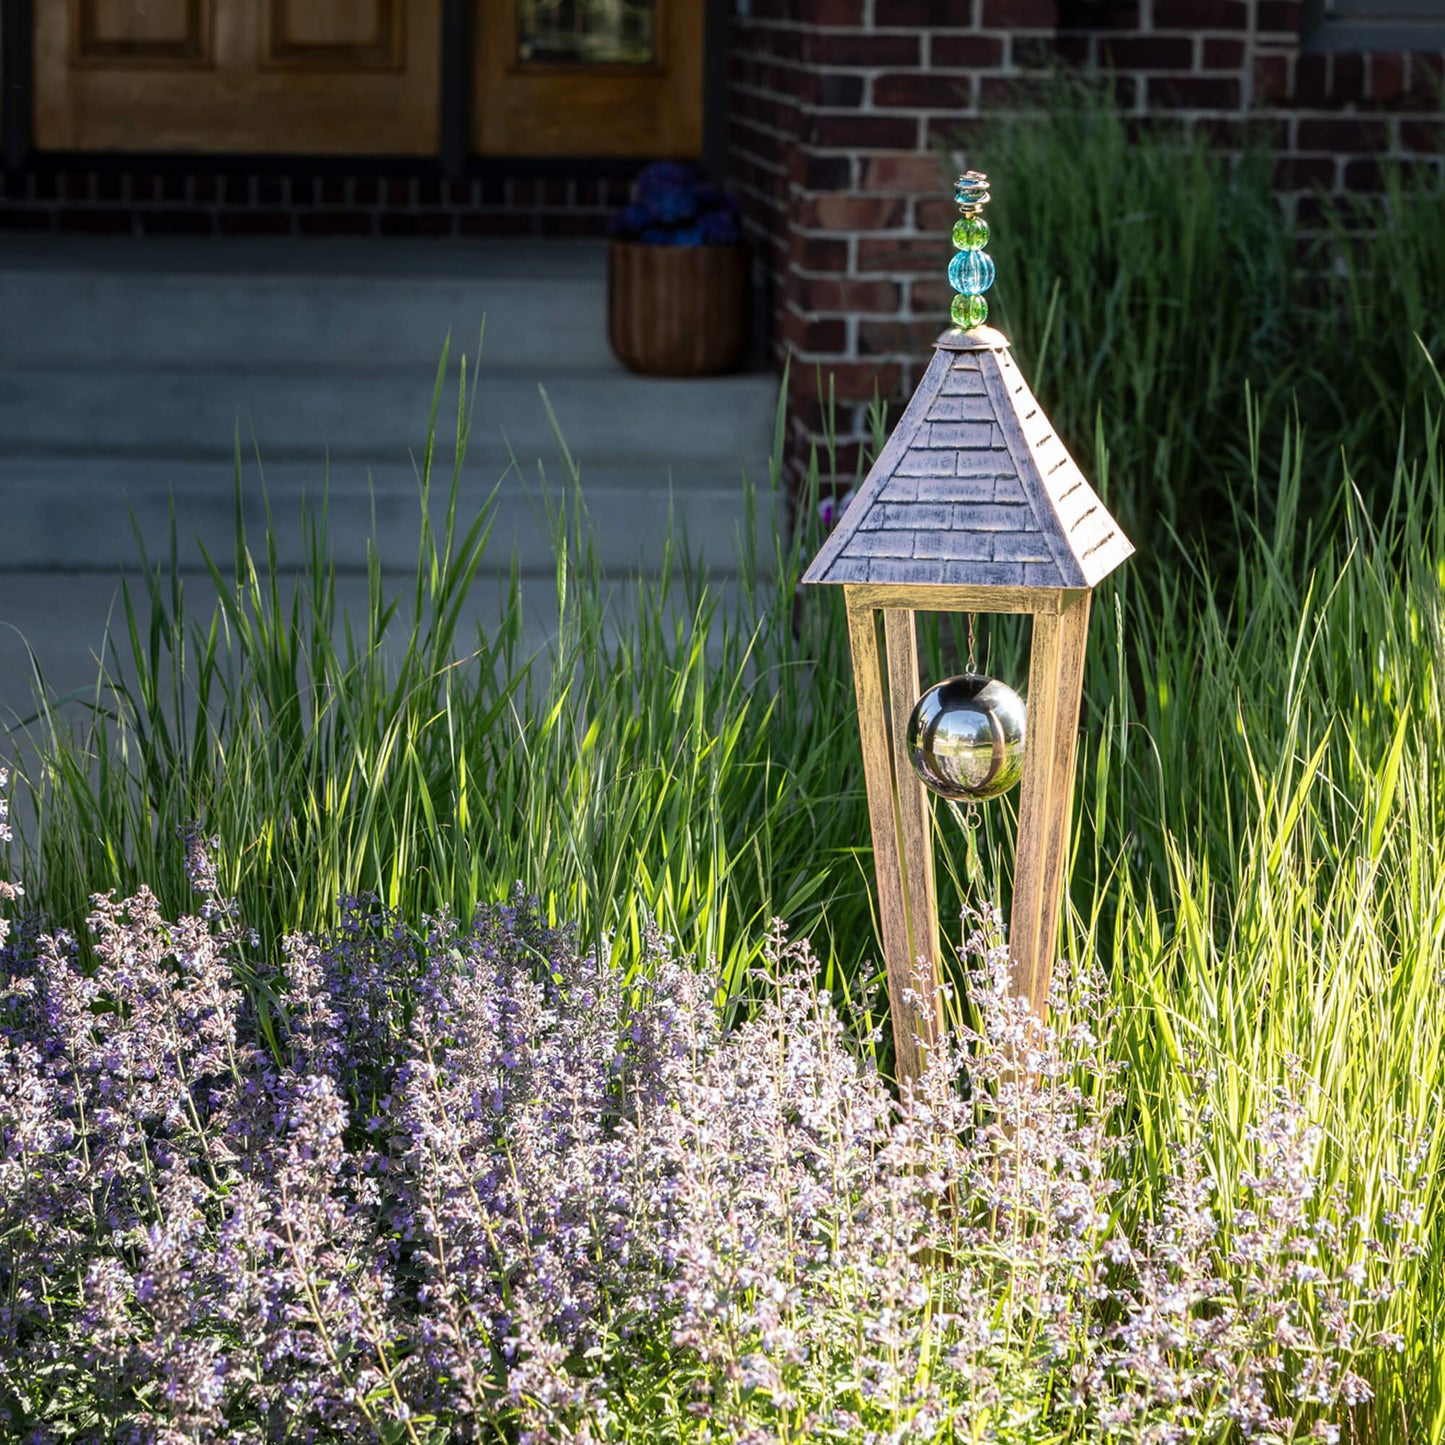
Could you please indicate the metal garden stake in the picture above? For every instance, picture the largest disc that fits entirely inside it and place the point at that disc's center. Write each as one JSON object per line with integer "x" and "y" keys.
{"x": 973, "y": 506}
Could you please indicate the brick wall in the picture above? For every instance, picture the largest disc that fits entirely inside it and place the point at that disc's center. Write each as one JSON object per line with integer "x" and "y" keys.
{"x": 836, "y": 106}
{"x": 144, "y": 199}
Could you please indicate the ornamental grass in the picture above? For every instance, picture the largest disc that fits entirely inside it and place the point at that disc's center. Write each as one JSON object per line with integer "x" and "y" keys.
{"x": 311, "y": 1128}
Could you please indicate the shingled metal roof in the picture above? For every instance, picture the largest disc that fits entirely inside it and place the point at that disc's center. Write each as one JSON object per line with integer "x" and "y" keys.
{"x": 974, "y": 488}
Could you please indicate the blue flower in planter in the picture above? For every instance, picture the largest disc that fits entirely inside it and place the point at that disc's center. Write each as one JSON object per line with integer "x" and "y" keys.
{"x": 674, "y": 204}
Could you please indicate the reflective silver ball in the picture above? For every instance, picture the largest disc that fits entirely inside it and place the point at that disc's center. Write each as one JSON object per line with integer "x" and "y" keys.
{"x": 966, "y": 737}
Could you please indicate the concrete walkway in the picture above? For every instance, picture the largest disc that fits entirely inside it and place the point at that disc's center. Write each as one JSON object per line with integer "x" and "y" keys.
{"x": 131, "y": 369}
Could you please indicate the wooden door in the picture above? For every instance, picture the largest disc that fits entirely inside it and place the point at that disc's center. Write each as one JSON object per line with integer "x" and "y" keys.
{"x": 238, "y": 76}
{"x": 588, "y": 78}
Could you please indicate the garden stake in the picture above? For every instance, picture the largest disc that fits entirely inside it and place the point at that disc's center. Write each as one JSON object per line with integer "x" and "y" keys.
{"x": 974, "y": 505}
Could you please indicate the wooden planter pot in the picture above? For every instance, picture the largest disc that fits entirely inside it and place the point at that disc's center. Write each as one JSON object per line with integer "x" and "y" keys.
{"x": 677, "y": 310}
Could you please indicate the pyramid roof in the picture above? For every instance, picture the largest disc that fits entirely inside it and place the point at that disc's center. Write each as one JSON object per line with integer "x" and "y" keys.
{"x": 973, "y": 489}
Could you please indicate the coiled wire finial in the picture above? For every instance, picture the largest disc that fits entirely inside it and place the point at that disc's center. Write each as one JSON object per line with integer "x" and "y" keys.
{"x": 971, "y": 271}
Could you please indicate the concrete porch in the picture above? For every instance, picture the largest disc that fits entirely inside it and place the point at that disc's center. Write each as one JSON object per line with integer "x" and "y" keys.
{"x": 129, "y": 367}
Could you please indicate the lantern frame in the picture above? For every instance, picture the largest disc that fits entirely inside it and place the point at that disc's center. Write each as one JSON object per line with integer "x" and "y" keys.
{"x": 973, "y": 506}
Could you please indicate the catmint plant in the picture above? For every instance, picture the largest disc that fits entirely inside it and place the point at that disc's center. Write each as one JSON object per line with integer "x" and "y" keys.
{"x": 476, "y": 1184}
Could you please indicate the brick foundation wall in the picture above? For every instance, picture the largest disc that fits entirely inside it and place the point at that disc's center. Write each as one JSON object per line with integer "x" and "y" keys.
{"x": 151, "y": 199}
{"x": 836, "y": 107}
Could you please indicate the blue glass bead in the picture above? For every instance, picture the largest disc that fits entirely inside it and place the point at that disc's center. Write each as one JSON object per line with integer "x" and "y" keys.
{"x": 971, "y": 190}
{"x": 970, "y": 273}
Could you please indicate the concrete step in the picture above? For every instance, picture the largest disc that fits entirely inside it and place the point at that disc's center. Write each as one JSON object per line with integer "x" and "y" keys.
{"x": 74, "y": 513}
{"x": 354, "y": 302}
{"x": 378, "y": 415}
{"x": 129, "y": 366}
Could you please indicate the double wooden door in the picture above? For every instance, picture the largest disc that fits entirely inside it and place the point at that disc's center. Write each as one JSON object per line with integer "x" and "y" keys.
{"x": 364, "y": 77}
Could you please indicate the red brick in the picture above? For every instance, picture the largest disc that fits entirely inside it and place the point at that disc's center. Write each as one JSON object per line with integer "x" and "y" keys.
{"x": 493, "y": 223}
{"x": 1427, "y": 72}
{"x": 1271, "y": 78}
{"x": 936, "y": 215}
{"x": 916, "y": 254}
{"x": 1342, "y": 134}
{"x": 1148, "y": 52}
{"x": 930, "y": 296}
{"x": 820, "y": 253}
{"x": 855, "y": 297}
{"x": 838, "y": 12}
{"x": 1311, "y": 78}
{"x": 859, "y": 381}
{"x": 94, "y": 219}
{"x": 825, "y": 173}
{"x": 902, "y": 174}
{"x": 175, "y": 221}
{"x": 1024, "y": 91}
{"x": 1264, "y": 132}
{"x": 576, "y": 223}
{"x": 815, "y": 335}
{"x": 1076, "y": 50}
{"x": 915, "y": 14}
{"x": 863, "y": 132}
{"x": 409, "y": 223}
{"x": 1201, "y": 15}
{"x": 336, "y": 223}
{"x": 77, "y": 185}
{"x": 889, "y": 338}
{"x": 1279, "y": 17}
{"x": 18, "y": 218}
{"x": 1294, "y": 173}
{"x": 965, "y": 52}
{"x": 1363, "y": 174}
{"x": 1222, "y": 54}
{"x": 1019, "y": 15}
{"x": 851, "y": 213}
{"x": 863, "y": 49}
{"x": 1387, "y": 77}
{"x": 1422, "y": 137}
{"x": 1347, "y": 80}
{"x": 269, "y": 190}
{"x": 950, "y": 132}
{"x": 1032, "y": 52}
{"x": 254, "y": 223}
{"x": 835, "y": 88}
{"x": 1193, "y": 92}
{"x": 920, "y": 91}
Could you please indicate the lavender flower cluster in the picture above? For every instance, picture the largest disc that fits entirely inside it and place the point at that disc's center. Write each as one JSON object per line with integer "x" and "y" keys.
{"x": 471, "y": 1183}
{"x": 673, "y": 204}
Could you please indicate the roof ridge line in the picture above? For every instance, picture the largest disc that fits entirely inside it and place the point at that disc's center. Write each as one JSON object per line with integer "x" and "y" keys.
{"x": 1046, "y": 519}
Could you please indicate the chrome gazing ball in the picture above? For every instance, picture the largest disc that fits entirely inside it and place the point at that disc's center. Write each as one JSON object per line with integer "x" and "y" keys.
{"x": 966, "y": 737}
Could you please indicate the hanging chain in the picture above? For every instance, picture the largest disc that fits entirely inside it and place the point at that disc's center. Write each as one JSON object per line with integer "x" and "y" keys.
{"x": 972, "y": 818}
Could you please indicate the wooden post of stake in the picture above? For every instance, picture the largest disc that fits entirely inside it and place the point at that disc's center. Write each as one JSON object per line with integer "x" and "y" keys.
{"x": 1056, "y": 662}
{"x": 902, "y": 856}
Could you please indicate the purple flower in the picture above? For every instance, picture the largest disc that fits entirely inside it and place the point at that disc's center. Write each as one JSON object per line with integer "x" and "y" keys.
{"x": 675, "y": 205}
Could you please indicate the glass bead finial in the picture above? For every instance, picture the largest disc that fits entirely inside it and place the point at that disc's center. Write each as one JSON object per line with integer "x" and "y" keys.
{"x": 971, "y": 271}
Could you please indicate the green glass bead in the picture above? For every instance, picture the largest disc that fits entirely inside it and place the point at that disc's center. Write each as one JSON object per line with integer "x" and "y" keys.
{"x": 970, "y": 233}
{"x": 969, "y": 311}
